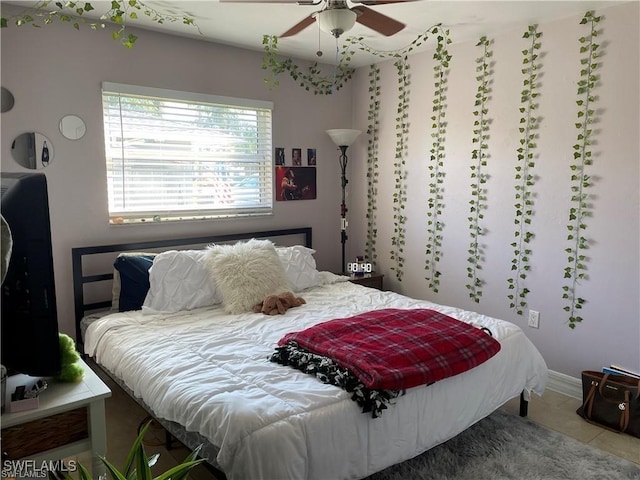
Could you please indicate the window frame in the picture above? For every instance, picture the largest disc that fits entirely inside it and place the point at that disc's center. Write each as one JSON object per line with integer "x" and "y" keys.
{"x": 260, "y": 158}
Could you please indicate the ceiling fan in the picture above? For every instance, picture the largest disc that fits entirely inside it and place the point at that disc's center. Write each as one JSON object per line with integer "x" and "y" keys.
{"x": 336, "y": 17}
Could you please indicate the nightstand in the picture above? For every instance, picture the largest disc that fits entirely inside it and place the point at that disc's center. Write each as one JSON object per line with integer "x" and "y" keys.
{"x": 70, "y": 419}
{"x": 372, "y": 280}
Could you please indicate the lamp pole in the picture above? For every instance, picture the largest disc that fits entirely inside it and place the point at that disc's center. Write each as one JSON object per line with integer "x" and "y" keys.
{"x": 343, "y": 205}
{"x": 343, "y": 137}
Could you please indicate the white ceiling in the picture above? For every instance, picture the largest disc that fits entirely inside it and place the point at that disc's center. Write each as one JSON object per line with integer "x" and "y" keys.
{"x": 244, "y": 24}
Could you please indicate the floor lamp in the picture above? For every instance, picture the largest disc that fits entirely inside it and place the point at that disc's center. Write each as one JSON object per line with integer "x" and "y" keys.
{"x": 343, "y": 137}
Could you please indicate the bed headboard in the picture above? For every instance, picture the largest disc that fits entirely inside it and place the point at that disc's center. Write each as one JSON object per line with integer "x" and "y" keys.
{"x": 80, "y": 256}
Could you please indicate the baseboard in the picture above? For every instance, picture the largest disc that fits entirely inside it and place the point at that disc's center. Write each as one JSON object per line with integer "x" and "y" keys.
{"x": 561, "y": 383}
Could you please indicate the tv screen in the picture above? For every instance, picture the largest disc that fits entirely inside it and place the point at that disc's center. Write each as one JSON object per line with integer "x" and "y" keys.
{"x": 29, "y": 321}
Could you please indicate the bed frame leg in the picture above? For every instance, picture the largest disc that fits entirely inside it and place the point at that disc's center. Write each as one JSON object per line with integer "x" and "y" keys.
{"x": 524, "y": 406}
{"x": 168, "y": 440}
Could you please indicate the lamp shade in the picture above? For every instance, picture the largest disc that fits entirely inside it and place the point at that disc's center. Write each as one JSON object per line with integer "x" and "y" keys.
{"x": 343, "y": 137}
{"x": 336, "y": 21}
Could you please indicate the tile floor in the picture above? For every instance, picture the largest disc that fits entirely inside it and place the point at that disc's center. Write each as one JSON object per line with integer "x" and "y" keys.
{"x": 553, "y": 410}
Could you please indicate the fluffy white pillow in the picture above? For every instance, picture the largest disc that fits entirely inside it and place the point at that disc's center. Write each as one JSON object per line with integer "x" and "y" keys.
{"x": 180, "y": 280}
{"x": 246, "y": 272}
{"x": 299, "y": 267}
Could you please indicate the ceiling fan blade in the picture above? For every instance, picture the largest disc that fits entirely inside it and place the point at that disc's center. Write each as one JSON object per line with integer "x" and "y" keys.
{"x": 377, "y": 21}
{"x": 372, "y": 2}
{"x": 298, "y": 27}
{"x": 304, "y": 2}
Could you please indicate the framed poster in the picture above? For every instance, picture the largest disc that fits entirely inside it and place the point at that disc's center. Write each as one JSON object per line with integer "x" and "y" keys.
{"x": 311, "y": 156}
{"x": 295, "y": 183}
{"x": 279, "y": 156}
{"x": 296, "y": 156}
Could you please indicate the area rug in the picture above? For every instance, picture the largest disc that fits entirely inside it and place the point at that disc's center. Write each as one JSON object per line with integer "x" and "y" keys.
{"x": 507, "y": 447}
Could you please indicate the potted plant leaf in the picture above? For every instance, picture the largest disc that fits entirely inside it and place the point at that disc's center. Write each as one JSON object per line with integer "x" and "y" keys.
{"x": 138, "y": 465}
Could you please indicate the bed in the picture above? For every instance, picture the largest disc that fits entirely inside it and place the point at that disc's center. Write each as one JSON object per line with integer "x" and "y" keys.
{"x": 205, "y": 374}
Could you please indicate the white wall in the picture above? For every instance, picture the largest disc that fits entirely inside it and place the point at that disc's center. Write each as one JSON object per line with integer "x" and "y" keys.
{"x": 56, "y": 70}
{"x": 610, "y": 332}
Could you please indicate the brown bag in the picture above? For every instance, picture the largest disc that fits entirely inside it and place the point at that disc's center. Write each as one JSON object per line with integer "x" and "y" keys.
{"x": 611, "y": 401}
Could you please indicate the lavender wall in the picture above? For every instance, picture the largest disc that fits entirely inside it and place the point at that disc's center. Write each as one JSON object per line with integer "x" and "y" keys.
{"x": 54, "y": 71}
{"x": 610, "y": 332}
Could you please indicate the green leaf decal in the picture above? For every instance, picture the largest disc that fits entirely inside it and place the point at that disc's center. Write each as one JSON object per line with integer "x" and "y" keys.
{"x": 435, "y": 165}
{"x": 478, "y": 176}
{"x": 525, "y": 180}
{"x": 575, "y": 271}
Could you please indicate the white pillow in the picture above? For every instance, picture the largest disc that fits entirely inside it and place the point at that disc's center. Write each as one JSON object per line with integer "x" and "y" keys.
{"x": 245, "y": 273}
{"x": 180, "y": 280}
{"x": 299, "y": 267}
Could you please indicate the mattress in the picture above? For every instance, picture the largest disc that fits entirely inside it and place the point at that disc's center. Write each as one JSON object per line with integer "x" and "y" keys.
{"x": 210, "y": 372}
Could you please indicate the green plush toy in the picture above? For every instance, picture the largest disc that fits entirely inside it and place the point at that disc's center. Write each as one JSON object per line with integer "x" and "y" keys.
{"x": 71, "y": 370}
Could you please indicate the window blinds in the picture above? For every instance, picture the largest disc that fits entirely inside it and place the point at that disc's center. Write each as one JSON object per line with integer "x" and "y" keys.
{"x": 180, "y": 156}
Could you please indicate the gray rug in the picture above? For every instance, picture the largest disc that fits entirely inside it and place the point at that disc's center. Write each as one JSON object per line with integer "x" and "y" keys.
{"x": 507, "y": 447}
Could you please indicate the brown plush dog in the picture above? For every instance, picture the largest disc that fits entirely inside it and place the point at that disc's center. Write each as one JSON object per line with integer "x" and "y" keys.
{"x": 278, "y": 304}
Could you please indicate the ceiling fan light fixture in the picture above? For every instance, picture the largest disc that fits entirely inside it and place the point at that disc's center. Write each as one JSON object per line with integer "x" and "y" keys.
{"x": 336, "y": 21}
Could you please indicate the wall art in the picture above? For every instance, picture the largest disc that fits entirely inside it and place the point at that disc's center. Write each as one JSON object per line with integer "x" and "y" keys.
{"x": 295, "y": 183}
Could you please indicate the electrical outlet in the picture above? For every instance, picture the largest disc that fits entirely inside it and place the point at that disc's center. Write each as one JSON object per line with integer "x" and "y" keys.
{"x": 534, "y": 319}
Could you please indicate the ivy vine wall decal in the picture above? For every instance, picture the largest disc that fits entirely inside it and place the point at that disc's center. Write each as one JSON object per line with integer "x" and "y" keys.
{"x": 372, "y": 162}
{"x": 120, "y": 13}
{"x": 435, "y": 204}
{"x": 580, "y": 181}
{"x": 325, "y": 84}
{"x": 399, "y": 170}
{"x": 478, "y": 176}
{"x": 525, "y": 179}
{"x": 314, "y": 81}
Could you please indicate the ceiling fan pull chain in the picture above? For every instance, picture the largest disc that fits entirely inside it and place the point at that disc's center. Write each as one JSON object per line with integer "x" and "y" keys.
{"x": 335, "y": 68}
{"x": 319, "y": 52}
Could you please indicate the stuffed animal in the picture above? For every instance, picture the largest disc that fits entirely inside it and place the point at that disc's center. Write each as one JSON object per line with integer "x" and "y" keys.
{"x": 278, "y": 304}
{"x": 71, "y": 370}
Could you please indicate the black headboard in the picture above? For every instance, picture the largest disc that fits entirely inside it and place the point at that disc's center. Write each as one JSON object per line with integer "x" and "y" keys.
{"x": 78, "y": 255}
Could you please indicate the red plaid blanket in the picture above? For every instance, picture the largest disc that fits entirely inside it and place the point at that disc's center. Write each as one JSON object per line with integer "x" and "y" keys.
{"x": 396, "y": 349}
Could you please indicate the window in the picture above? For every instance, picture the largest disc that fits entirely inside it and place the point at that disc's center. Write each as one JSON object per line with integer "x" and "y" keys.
{"x": 183, "y": 156}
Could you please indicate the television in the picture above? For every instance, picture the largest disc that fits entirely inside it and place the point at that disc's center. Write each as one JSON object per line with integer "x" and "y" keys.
{"x": 29, "y": 322}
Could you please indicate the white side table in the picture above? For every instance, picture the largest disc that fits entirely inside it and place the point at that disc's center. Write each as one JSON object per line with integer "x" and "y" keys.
{"x": 68, "y": 400}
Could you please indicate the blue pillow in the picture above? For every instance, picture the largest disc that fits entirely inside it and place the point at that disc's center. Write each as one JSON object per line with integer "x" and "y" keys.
{"x": 134, "y": 280}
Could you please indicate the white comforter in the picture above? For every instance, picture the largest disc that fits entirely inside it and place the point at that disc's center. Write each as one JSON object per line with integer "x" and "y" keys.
{"x": 210, "y": 372}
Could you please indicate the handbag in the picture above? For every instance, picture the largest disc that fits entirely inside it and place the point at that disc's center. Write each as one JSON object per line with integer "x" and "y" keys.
{"x": 611, "y": 401}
